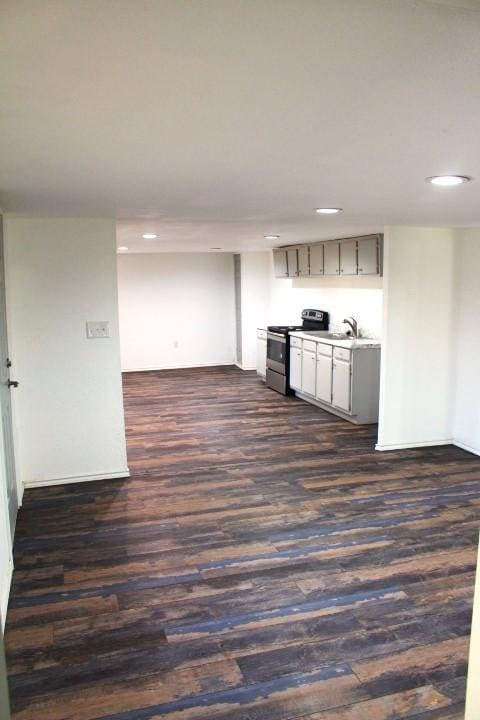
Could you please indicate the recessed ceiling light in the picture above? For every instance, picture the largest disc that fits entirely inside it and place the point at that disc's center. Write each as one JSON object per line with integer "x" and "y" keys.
{"x": 271, "y": 237}
{"x": 448, "y": 180}
{"x": 328, "y": 211}
{"x": 149, "y": 236}
{"x": 122, "y": 248}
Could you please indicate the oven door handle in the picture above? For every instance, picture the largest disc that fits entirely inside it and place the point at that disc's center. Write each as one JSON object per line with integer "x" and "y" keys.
{"x": 277, "y": 337}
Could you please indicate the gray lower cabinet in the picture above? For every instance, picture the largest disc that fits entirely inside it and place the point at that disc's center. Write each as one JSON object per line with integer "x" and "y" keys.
{"x": 343, "y": 381}
{"x": 309, "y": 361}
{"x": 324, "y": 378}
{"x": 341, "y": 385}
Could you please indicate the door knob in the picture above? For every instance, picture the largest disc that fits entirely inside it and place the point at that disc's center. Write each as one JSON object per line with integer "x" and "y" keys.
{"x": 12, "y": 383}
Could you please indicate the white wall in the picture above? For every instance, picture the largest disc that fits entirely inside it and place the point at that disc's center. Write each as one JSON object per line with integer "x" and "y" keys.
{"x": 416, "y": 399}
{"x": 466, "y": 423}
{"x": 255, "y": 297}
{"x": 341, "y": 297}
{"x": 176, "y": 298}
{"x": 69, "y": 422}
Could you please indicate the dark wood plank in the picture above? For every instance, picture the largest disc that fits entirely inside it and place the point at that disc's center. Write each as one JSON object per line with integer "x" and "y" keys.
{"x": 262, "y": 562}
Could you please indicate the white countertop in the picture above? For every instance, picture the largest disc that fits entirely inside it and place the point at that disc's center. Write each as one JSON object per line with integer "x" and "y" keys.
{"x": 350, "y": 344}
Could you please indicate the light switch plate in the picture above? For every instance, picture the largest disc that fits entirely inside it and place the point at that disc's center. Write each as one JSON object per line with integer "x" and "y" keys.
{"x": 98, "y": 329}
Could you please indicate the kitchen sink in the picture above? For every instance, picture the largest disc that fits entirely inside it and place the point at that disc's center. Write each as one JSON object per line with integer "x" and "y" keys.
{"x": 328, "y": 335}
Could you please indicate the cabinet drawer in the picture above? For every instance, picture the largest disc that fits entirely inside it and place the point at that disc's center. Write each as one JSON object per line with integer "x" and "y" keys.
{"x": 342, "y": 354}
{"x": 310, "y": 345}
{"x": 324, "y": 349}
{"x": 261, "y": 334}
{"x": 295, "y": 342}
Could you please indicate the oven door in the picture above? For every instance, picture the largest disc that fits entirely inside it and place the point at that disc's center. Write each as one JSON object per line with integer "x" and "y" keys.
{"x": 276, "y": 352}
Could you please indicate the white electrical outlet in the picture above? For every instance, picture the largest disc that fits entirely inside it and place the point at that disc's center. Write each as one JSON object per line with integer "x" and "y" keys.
{"x": 98, "y": 329}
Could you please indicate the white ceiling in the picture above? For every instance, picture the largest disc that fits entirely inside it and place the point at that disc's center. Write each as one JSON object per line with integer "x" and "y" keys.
{"x": 214, "y": 122}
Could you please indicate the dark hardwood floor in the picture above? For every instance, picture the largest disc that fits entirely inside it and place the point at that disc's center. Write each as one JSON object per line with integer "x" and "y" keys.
{"x": 263, "y": 562}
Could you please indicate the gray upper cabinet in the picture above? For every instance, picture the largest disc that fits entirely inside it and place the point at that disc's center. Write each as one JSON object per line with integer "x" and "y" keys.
{"x": 280, "y": 268}
{"x": 303, "y": 261}
{"x": 348, "y": 257}
{"x": 316, "y": 259}
{"x": 331, "y": 258}
{"x": 368, "y": 256}
{"x": 292, "y": 259}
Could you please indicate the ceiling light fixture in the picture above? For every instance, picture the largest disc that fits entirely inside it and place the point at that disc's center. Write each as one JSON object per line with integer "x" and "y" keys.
{"x": 271, "y": 237}
{"x": 122, "y": 248}
{"x": 215, "y": 248}
{"x": 448, "y": 180}
{"x": 149, "y": 236}
{"x": 328, "y": 211}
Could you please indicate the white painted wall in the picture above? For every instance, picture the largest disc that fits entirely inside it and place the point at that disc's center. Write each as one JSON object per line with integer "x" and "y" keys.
{"x": 69, "y": 422}
{"x": 255, "y": 297}
{"x": 416, "y": 399}
{"x": 183, "y": 298}
{"x": 466, "y": 348}
{"x": 341, "y": 297}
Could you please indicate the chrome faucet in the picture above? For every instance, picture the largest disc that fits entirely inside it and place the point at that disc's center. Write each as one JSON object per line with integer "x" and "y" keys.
{"x": 353, "y": 324}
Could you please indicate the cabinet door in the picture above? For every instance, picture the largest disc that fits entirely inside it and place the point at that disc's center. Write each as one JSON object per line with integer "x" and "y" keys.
{"x": 261, "y": 356}
{"x": 316, "y": 259}
{"x": 348, "y": 257}
{"x": 331, "y": 258}
{"x": 324, "y": 378}
{"x": 296, "y": 368}
{"x": 309, "y": 361}
{"x": 368, "y": 256}
{"x": 280, "y": 263}
{"x": 292, "y": 263}
{"x": 341, "y": 392}
{"x": 303, "y": 261}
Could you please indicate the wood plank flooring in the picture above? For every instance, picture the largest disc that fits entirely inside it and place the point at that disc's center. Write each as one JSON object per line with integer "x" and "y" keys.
{"x": 263, "y": 562}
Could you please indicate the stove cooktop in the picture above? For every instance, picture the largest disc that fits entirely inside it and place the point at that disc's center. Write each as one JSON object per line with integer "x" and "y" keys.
{"x": 284, "y": 329}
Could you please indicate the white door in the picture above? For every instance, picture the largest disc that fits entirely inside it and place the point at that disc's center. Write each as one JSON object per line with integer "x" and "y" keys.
{"x": 316, "y": 259}
{"x": 292, "y": 261}
{"x": 368, "y": 256}
{"x": 303, "y": 261}
{"x": 341, "y": 393}
{"x": 324, "y": 378}
{"x": 348, "y": 257}
{"x": 309, "y": 361}
{"x": 261, "y": 356}
{"x": 331, "y": 258}
{"x": 296, "y": 368}
{"x": 280, "y": 263}
{"x": 6, "y": 386}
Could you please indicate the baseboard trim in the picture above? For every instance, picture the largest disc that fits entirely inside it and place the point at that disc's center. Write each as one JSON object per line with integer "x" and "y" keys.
{"x": 177, "y": 367}
{"x": 407, "y": 445}
{"x": 78, "y": 479}
{"x": 468, "y": 448}
{"x": 5, "y": 592}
